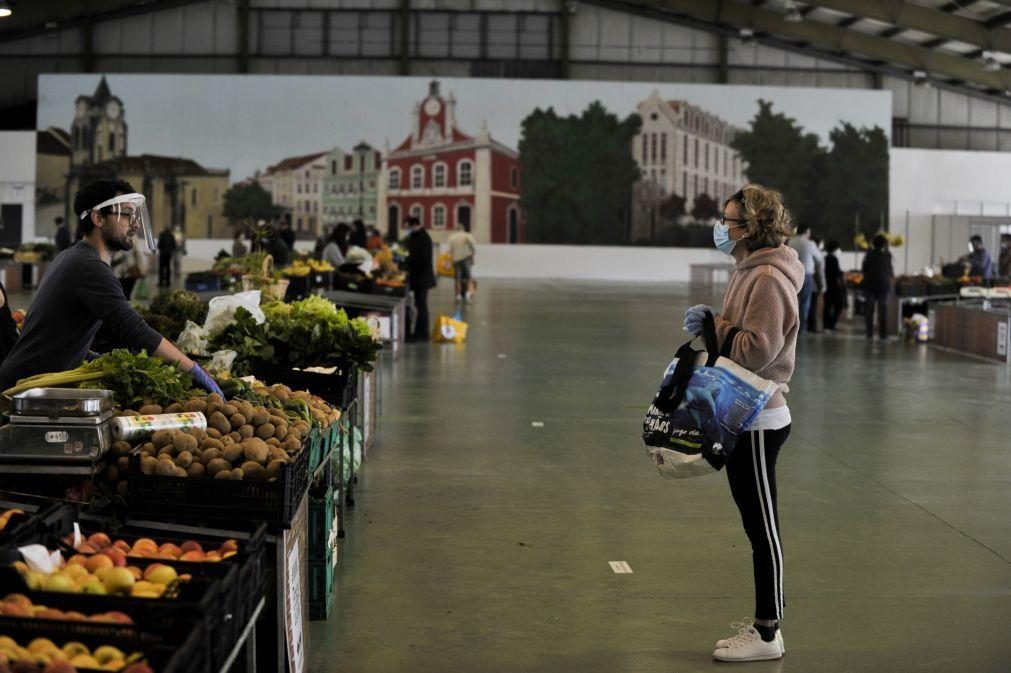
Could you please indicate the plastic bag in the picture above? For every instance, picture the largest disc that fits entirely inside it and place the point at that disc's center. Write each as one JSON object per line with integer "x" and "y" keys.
{"x": 444, "y": 265}
{"x": 222, "y": 361}
{"x": 193, "y": 339}
{"x": 221, "y": 310}
{"x": 449, "y": 330}
{"x": 141, "y": 291}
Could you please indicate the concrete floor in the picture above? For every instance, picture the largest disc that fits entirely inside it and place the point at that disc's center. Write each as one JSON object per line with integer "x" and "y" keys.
{"x": 481, "y": 543}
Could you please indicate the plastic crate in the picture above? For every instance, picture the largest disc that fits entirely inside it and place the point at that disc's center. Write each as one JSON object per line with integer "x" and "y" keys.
{"x": 202, "y": 282}
{"x": 223, "y": 502}
{"x": 321, "y": 575}
{"x": 322, "y": 516}
{"x": 338, "y": 389}
{"x": 318, "y": 448}
{"x": 389, "y": 290}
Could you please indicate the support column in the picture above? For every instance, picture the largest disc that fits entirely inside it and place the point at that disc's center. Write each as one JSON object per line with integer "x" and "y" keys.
{"x": 405, "y": 37}
{"x": 242, "y": 12}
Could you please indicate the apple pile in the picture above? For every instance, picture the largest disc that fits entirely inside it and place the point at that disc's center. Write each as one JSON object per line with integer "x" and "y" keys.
{"x": 100, "y": 574}
{"x": 44, "y": 656}
{"x": 19, "y": 605}
{"x": 6, "y": 515}
{"x": 120, "y": 550}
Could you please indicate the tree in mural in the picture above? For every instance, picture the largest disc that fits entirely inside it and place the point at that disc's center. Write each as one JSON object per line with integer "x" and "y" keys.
{"x": 827, "y": 189}
{"x": 673, "y": 208}
{"x": 853, "y": 184}
{"x": 578, "y": 174}
{"x": 249, "y": 201}
{"x": 705, "y": 207}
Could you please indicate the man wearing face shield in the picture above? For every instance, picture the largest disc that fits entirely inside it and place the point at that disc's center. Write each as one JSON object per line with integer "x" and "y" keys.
{"x": 80, "y": 292}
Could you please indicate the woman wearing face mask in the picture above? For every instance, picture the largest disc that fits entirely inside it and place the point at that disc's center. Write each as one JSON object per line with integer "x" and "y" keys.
{"x": 761, "y": 302}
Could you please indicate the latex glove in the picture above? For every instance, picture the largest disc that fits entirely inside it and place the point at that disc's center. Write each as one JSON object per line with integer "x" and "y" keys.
{"x": 92, "y": 355}
{"x": 693, "y": 318}
{"x": 205, "y": 380}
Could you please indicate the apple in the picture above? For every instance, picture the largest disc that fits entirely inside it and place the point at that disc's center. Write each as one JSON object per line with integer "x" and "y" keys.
{"x": 99, "y": 561}
{"x": 60, "y": 582}
{"x": 191, "y": 545}
{"x": 121, "y": 545}
{"x": 119, "y": 581}
{"x": 99, "y": 540}
{"x": 160, "y": 574}
{"x": 117, "y": 556}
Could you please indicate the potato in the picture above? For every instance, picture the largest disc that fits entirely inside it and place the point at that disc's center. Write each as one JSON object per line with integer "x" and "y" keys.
{"x": 291, "y": 444}
{"x": 273, "y": 441}
{"x": 199, "y": 433}
{"x": 282, "y": 393}
{"x": 276, "y": 453}
{"x": 150, "y": 410}
{"x": 211, "y": 408}
{"x": 196, "y": 470}
{"x": 228, "y": 410}
{"x": 253, "y": 471}
{"x": 211, "y": 443}
{"x": 184, "y": 459}
{"x": 237, "y": 421}
{"x": 122, "y": 488}
{"x": 236, "y": 437}
{"x": 129, "y": 412}
{"x": 165, "y": 468}
{"x": 121, "y": 448}
{"x": 185, "y": 442}
{"x": 162, "y": 437}
{"x": 179, "y": 472}
{"x": 246, "y": 431}
{"x": 219, "y": 422}
{"x": 167, "y": 450}
{"x": 236, "y": 474}
{"x": 265, "y": 431}
{"x": 213, "y": 433}
{"x": 215, "y": 398}
{"x": 147, "y": 464}
{"x": 260, "y": 416}
{"x": 147, "y": 449}
{"x": 174, "y": 408}
{"x": 209, "y": 455}
{"x": 256, "y": 449}
{"x": 224, "y": 474}
{"x": 233, "y": 454}
{"x": 274, "y": 468}
{"x": 280, "y": 430}
{"x": 123, "y": 463}
{"x": 227, "y": 440}
{"x": 195, "y": 405}
{"x": 111, "y": 474}
{"x": 217, "y": 465}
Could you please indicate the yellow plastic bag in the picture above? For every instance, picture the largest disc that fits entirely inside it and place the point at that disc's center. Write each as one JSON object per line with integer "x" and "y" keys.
{"x": 449, "y": 331}
{"x": 444, "y": 265}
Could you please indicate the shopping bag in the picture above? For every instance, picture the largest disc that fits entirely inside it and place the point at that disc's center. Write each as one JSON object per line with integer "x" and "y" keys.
{"x": 705, "y": 402}
{"x": 449, "y": 330}
{"x": 141, "y": 291}
{"x": 444, "y": 265}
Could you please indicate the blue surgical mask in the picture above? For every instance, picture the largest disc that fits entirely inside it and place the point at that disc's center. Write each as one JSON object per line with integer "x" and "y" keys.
{"x": 721, "y": 237}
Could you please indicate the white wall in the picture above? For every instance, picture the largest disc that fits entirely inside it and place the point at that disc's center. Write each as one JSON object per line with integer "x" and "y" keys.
{"x": 942, "y": 190}
{"x": 17, "y": 176}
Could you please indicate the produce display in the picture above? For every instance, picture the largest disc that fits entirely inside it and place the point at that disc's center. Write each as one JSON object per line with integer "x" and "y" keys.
{"x": 6, "y": 515}
{"x": 19, "y": 605}
{"x": 311, "y": 331}
{"x": 99, "y": 544}
{"x": 105, "y": 573}
{"x": 44, "y": 656}
{"x": 306, "y": 265}
{"x": 170, "y": 310}
{"x": 241, "y": 266}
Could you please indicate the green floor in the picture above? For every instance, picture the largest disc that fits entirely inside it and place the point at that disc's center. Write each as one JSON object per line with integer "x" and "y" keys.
{"x": 481, "y": 542}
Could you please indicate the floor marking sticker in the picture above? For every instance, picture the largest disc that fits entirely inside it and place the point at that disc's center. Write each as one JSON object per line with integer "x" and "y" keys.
{"x": 538, "y": 424}
{"x": 620, "y": 567}
{"x": 501, "y": 356}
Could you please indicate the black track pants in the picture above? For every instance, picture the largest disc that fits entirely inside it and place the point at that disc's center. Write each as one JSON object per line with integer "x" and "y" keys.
{"x": 751, "y": 472}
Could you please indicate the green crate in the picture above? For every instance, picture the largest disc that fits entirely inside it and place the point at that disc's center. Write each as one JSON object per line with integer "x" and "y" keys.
{"x": 314, "y": 444}
{"x": 321, "y": 523}
{"x": 320, "y": 589}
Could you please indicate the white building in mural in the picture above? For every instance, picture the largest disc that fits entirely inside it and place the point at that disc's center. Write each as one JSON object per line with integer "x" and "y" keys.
{"x": 294, "y": 184}
{"x": 687, "y": 151}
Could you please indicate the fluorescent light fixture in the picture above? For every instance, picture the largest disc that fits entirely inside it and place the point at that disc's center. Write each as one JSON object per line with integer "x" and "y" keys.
{"x": 746, "y": 34}
{"x": 793, "y": 14}
{"x": 990, "y": 62}
{"x": 920, "y": 78}
{"x": 5, "y": 10}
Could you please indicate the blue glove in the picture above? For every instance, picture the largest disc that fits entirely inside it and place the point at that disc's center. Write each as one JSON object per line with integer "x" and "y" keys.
{"x": 693, "y": 318}
{"x": 92, "y": 355}
{"x": 204, "y": 380}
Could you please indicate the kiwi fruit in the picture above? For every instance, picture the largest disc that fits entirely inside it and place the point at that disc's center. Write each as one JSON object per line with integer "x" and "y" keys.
{"x": 147, "y": 448}
{"x": 274, "y": 468}
{"x": 215, "y": 398}
{"x": 273, "y": 441}
{"x": 236, "y": 437}
{"x": 280, "y": 430}
{"x": 162, "y": 437}
{"x": 123, "y": 463}
{"x": 112, "y": 474}
{"x": 227, "y": 440}
{"x": 150, "y": 410}
{"x": 237, "y": 420}
{"x": 217, "y": 465}
{"x": 121, "y": 448}
{"x": 256, "y": 450}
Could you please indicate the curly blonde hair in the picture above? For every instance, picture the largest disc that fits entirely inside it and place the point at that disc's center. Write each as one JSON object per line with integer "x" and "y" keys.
{"x": 767, "y": 220}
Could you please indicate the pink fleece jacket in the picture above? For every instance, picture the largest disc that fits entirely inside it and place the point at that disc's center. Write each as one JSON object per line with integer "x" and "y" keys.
{"x": 761, "y": 301}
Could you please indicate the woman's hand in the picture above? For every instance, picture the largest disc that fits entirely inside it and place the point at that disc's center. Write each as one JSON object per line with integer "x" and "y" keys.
{"x": 694, "y": 316}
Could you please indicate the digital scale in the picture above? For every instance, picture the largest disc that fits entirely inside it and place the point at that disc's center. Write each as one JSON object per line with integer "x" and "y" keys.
{"x": 57, "y": 431}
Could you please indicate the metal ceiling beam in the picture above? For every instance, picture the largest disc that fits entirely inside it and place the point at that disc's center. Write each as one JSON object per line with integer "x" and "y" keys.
{"x": 927, "y": 20}
{"x": 829, "y": 38}
{"x": 36, "y": 23}
{"x": 998, "y": 20}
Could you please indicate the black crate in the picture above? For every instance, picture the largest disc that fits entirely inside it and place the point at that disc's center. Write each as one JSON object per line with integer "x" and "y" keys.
{"x": 389, "y": 290}
{"x": 338, "y": 389}
{"x": 219, "y": 502}
{"x": 36, "y": 518}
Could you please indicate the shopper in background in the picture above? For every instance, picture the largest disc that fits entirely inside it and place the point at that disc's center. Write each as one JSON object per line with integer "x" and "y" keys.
{"x": 287, "y": 234}
{"x": 835, "y": 287}
{"x": 166, "y": 252}
{"x": 1004, "y": 261}
{"x": 980, "y": 262}
{"x": 761, "y": 316}
{"x": 359, "y": 237}
{"x": 374, "y": 241}
{"x": 277, "y": 246}
{"x": 336, "y": 249}
{"x": 178, "y": 253}
{"x": 239, "y": 248}
{"x": 463, "y": 248}
{"x": 877, "y": 285}
{"x": 420, "y": 275}
{"x": 321, "y": 241}
{"x": 62, "y": 237}
{"x": 130, "y": 266}
{"x": 808, "y": 254}
{"x": 819, "y": 285}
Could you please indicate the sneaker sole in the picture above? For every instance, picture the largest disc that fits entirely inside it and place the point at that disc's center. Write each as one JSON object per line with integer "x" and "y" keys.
{"x": 766, "y": 657}
{"x": 722, "y": 644}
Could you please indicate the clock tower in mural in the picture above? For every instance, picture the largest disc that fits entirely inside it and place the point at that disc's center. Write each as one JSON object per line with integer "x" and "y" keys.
{"x": 98, "y": 132}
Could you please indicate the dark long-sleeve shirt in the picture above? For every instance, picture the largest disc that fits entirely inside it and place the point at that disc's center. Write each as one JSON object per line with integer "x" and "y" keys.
{"x": 878, "y": 273}
{"x": 77, "y": 295}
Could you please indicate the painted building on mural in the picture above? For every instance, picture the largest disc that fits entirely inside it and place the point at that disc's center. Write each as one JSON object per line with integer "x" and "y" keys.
{"x": 445, "y": 177}
{"x": 351, "y": 185}
{"x": 294, "y": 185}
{"x": 687, "y": 151}
{"x": 179, "y": 191}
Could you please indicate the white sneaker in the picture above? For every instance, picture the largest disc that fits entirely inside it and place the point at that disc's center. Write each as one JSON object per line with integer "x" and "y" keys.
{"x": 748, "y": 645}
{"x": 746, "y": 623}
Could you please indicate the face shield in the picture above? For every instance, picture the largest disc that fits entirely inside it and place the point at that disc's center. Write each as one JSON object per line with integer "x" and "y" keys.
{"x": 134, "y": 205}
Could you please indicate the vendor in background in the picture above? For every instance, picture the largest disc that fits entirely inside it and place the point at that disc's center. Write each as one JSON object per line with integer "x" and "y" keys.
{"x": 374, "y": 241}
{"x": 80, "y": 292}
{"x": 420, "y": 275}
{"x": 980, "y": 262}
{"x": 277, "y": 246}
{"x": 1004, "y": 261}
{"x": 62, "y": 238}
{"x": 166, "y": 249}
{"x": 239, "y": 248}
{"x": 287, "y": 234}
{"x": 359, "y": 237}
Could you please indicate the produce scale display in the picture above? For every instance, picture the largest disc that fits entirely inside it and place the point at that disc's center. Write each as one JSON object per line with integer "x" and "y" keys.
{"x": 149, "y": 527}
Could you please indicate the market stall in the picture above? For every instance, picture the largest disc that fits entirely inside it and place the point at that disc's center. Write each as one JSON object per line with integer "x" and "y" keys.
{"x": 977, "y": 326}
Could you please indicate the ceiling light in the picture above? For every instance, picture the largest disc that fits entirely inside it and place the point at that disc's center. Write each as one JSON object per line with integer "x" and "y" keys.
{"x": 920, "y": 78}
{"x": 990, "y": 62}
{"x": 5, "y": 10}
{"x": 793, "y": 14}
{"x": 746, "y": 35}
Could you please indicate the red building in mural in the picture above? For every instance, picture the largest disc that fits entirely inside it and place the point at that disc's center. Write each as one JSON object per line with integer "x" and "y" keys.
{"x": 446, "y": 177}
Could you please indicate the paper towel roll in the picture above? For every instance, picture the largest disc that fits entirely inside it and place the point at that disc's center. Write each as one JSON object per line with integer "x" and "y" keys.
{"x": 130, "y": 428}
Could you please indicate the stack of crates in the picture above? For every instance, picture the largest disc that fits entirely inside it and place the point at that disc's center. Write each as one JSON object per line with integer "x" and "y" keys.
{"x": 321, "y": 543}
